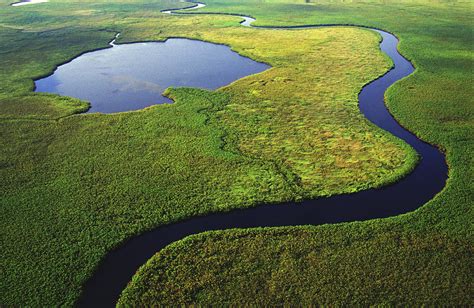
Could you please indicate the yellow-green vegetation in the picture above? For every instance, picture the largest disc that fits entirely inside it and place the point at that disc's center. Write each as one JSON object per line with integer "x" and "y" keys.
{"x": 424, "y": 257}
{"x": 309, "y": 122}
{"x": 303, "y": 114}
{"x": 76, "y": 185}
{"x": 353, "y": 264}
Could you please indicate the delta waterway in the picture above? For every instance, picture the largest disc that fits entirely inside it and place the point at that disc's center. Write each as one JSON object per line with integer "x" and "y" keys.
{"x": 421, "y": 185}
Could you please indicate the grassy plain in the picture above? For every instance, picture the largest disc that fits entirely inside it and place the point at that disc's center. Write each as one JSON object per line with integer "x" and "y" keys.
{"x": 76, "y": 185}
{"x": 421, "y": 258}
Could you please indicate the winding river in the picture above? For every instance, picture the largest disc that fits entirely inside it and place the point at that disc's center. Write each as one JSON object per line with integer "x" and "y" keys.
{"x": 427, "y": 179}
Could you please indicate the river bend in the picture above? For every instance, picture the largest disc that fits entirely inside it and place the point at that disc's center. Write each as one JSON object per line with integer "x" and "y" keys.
{"x": 421, "y": 185}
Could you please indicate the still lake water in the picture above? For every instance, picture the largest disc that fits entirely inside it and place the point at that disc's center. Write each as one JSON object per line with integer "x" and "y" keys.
{"x": 133, "y": 76}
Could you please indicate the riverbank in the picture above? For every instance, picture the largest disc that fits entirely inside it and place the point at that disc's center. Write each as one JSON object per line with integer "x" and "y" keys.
{"x": 416, "y": 259}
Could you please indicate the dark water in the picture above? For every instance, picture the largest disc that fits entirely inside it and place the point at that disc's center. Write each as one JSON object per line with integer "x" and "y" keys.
{"x": 133, "y": 76}
{"x": 428, "y": 178}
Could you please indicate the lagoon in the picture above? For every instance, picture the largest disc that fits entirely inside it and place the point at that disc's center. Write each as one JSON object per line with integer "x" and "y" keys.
{"x": 133, "y": 76}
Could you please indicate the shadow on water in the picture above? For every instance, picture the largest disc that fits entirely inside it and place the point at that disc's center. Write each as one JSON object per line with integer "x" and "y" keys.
{"x": 426, "y": 180}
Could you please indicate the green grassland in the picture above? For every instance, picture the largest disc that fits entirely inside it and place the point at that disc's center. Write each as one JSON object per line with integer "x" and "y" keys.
{"x": 76, "y": 185}
{"x": 424, "y": 257}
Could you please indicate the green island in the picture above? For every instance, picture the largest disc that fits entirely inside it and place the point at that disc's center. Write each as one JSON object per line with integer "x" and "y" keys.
{"x": 74, "y": 185}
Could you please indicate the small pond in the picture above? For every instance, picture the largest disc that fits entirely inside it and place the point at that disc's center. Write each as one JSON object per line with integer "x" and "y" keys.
{"x": 133, "y": 76}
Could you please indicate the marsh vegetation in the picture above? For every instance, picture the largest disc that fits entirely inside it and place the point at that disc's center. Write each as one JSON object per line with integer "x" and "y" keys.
{"x": 74, "y": 186}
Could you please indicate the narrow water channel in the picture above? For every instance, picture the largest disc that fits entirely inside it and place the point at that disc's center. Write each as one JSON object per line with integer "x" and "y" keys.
{"x": 428, "y": 178}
